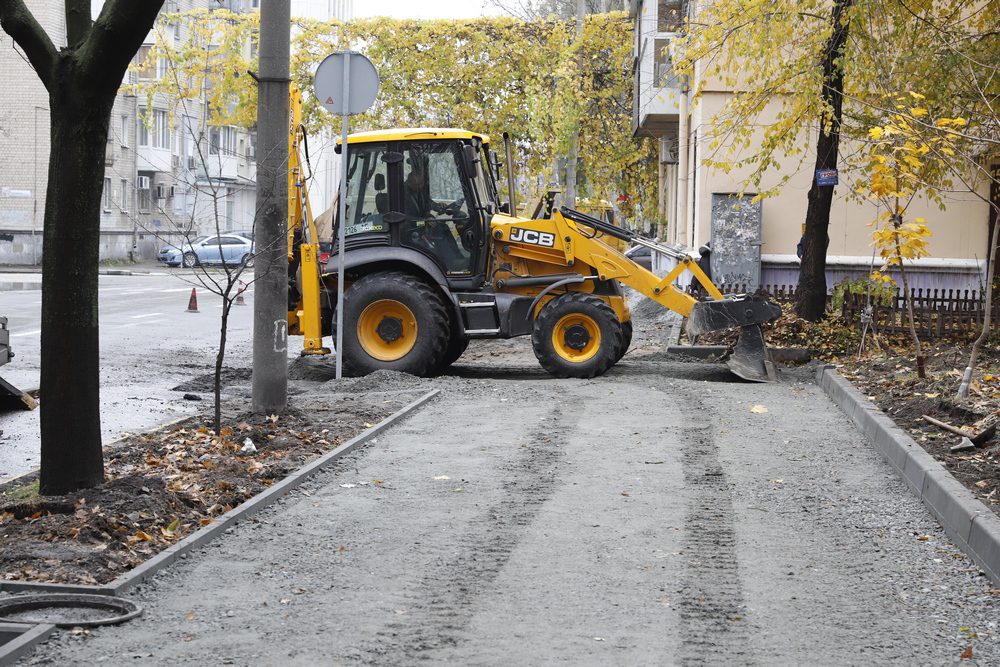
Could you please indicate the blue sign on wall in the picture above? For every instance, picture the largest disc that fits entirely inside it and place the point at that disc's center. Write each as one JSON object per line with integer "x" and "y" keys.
{"x": 826, "y": 177}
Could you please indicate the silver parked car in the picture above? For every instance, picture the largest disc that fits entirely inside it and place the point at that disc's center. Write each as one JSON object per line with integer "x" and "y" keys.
{"x": 641, "y": 255}
{"x": 233, "y": 249}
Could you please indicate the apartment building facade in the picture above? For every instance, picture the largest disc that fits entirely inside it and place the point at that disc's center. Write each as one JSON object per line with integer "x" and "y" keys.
{"x": 169, "y": 171}
{"x": 754, "y": 243}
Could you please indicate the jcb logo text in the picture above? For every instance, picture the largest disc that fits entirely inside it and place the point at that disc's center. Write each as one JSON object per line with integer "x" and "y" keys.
{"x": 531, "y": 236}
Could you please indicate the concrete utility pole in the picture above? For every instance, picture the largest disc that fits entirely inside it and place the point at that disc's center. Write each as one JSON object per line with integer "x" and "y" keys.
{"x": 270, "y": 317}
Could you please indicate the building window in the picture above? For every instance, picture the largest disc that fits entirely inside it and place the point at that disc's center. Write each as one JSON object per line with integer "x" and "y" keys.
{"x": 124, "y": 137}
{"x": 143, "y": 130}
{"x": 142, "y": 188}
{"x": 222, "y": 140}
{"x": 161, "y": 129}
{"x": 107, "y": 195}
{"x": 123, "y": 204}
{"x": 669, "y": 15}
{"x": 665, "y": 75}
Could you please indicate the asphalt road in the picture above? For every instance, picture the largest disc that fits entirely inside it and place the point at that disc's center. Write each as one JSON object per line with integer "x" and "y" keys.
{"x": 149, "y": 344}
{"x": 662, "y": 514}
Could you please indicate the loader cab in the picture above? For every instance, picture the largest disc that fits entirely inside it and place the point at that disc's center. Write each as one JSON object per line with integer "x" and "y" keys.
{"x": 428, "y": 191}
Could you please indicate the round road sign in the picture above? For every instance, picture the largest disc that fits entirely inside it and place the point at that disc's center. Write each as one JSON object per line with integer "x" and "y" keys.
{"x": 362, "y": 88}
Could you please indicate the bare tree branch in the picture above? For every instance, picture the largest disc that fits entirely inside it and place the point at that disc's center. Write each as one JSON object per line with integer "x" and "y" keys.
{"x": 18, "y": 22}
{"x": 78, "y": 21}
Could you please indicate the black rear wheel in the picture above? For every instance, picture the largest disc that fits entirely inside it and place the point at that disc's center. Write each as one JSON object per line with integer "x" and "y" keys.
{"x": 626, "y": 328}
{"x": 393, "y": 321}
{"x": 457, "y": 345}
{"x": 576, "y": 336}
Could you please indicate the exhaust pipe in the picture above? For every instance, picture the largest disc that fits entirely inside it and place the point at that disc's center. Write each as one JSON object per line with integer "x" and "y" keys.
{"x": 510, "y": 173}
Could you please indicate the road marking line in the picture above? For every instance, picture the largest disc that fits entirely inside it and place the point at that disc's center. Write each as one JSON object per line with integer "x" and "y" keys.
{"x": 26, "y": 333}
{"x": 139, "y": 317}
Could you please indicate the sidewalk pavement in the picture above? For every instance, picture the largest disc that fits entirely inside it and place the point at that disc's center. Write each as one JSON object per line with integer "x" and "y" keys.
{"x": 661, "y": 514}
{"x": 143, "y": 267}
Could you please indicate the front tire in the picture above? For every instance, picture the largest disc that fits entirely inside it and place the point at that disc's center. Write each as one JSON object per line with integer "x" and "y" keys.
{"x": 576, "y": 336}
{"x": 189, "y": 260}
{"x": 393, "y": 321}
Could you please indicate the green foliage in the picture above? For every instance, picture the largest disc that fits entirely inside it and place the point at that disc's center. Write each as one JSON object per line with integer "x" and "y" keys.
{"x": 882, "y": 293}
{"x": 769, "y": 54}
{"x": 529, "y": 78}
{"x": 24, "y": 493}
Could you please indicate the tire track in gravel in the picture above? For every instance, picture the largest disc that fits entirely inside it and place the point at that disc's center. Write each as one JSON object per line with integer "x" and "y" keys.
{"x": 447, "y": 593}
{"x": 711, "y": 600}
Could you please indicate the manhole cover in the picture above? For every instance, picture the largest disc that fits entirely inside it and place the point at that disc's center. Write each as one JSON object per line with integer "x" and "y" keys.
{"x": 68, "y": 610}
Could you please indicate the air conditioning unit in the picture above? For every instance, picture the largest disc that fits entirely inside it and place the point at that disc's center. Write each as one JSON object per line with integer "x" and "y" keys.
{"x": 142, "y": 183}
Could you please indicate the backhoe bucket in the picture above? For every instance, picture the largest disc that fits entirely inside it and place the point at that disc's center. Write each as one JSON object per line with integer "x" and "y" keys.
{"x": 750, "y": 358}
{"x": 12, "y": 398}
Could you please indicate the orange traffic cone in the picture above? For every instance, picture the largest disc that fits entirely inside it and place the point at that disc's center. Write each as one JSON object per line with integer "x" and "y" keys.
{"x": 193, "y": 302}
{"x": 239, "y": 295}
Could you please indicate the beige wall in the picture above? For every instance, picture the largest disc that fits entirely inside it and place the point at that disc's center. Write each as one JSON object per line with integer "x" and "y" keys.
{"x": 960, "y": 232}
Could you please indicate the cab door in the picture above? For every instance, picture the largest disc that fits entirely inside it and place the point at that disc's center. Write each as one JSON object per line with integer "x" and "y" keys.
{"x": 440, "y": 215}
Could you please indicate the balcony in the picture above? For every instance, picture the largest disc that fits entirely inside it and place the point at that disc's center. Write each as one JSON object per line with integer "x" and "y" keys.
{"x": 150, "y": 158}
{"x": 657, "y": 89}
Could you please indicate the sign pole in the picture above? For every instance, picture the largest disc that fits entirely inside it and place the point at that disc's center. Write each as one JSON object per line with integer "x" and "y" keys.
{"x": 343, "y": 215}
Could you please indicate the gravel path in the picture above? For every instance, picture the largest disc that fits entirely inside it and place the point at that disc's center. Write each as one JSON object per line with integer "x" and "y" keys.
{"x": 652, "y": 516}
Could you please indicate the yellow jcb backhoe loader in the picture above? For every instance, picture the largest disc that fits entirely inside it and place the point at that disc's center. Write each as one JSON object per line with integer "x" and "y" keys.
{"x": 434, "y": 259}
{"x": 10, "y": 396}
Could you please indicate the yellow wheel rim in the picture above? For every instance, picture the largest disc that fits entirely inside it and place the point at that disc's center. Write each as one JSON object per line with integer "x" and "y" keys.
{"x": 576, "y": 338}
{"x": 387, "y": 330}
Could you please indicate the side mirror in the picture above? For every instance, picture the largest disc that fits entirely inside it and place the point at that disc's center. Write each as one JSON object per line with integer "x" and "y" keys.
{"x": 380, "y": 182}
{"x": 505, "y": 208}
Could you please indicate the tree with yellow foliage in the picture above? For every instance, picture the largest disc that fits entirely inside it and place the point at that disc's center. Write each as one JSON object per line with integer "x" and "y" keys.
{"x": 904, "y": 161}
{"x": 531, "y": 78}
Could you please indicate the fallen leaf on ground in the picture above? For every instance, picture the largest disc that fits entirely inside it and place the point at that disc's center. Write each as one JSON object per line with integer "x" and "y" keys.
{"x": 758, "y": 409}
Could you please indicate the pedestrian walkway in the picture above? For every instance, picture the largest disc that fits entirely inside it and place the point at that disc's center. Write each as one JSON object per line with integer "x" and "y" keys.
{"x": 661, "y": 514}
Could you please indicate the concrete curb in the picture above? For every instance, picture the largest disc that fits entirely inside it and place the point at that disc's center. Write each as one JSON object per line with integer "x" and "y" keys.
{"x": 227, "y": 520}
{"x": 973, "y": 526}
{"x": 28, "y": 636}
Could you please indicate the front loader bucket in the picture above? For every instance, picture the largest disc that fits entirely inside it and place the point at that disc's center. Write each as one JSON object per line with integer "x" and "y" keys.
{"x": 751, "y": 359}
{"x": 12, "y": 398}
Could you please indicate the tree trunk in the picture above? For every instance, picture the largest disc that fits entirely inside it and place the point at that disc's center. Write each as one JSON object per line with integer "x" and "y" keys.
{"x": 220, "y": 357}
{"x": 71, "y": 452}
{"x": 811, "y": 294}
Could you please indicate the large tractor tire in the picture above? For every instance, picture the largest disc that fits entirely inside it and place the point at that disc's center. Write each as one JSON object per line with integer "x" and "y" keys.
{"x": 393, "y": 321}
{"x": 576, "y": 336}
{"x": 626, "y": 328}
{"x": 457, "y": 344}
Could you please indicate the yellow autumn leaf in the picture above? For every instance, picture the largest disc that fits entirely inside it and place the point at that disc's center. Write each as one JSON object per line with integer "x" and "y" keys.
{"x": 758, "y": 409}
{"x": 143, "y": 535}
{"x": 876, "y": 133}
{"x": 918, "y": 112}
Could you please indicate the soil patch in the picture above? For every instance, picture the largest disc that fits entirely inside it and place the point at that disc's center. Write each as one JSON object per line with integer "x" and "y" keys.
{"x": 162, "y": 486}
